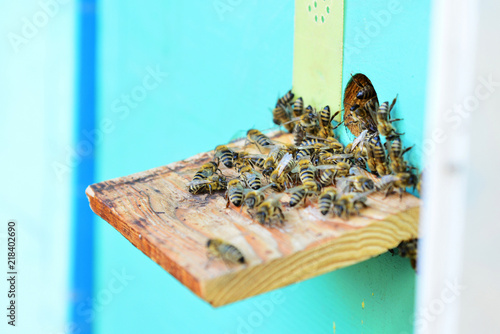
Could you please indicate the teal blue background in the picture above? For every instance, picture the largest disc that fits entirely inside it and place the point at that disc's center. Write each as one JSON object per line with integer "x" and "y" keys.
{"x": 224, "y": 73}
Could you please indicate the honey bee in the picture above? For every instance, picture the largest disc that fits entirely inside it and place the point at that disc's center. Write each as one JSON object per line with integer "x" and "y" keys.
{"x": 251, "y": 177}
{"x": 215, "y": 182}
{"x": 377, "y": 161}
{"x": 398, "y": 164}
{"x": 366, "y": 92}
{"x": 400, "y": 181}
{"x": 286, "y": 99}
{"x": 298, "y": 107}
{"x": 225, "y": 155}
{"x": 384, "y": 124}
{"x": 308, "y": 120}
{"x": 225, "y": 251}
{"x": 234, "y": 193}
{"x": 307, "y": 172}
{"x": 206, "y": 171}
{"x": 299, "y": 134}
{"x": 270, "y": 211}
{"x": 281, "y": 117}
{"x": 326, "y": 200}
{"x": 258, "y": 138}
{"x": 364, "y": 118}
{"x": 326, "y": 118}
{"x": 300, "y": 193}
{"x": 360, "y": 182}
{"x": 328, "y": 173}
{"x": 347, "y": 204}
{"x": 409, "y": 249}
{"x": 280, "y": 178}
{"x": 254, "y": 198}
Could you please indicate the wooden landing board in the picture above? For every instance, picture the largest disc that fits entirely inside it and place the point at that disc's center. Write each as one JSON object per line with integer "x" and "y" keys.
{"x": 157, "y": 214}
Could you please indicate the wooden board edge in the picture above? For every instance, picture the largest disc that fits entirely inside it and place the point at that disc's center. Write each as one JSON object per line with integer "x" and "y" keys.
{"x": 371, "y": 241}
{"x": 143, "y": 244}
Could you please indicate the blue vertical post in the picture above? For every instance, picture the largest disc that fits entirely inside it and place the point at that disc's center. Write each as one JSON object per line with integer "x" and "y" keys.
{"x": 82, "y": 313}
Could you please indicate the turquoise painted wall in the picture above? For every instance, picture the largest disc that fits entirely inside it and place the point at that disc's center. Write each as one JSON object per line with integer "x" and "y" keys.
{"x": 225, "y": 64}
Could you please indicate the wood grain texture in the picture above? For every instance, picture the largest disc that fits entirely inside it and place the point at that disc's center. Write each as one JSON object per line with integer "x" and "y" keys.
{"x": 157, "y": 214}
{"x": 350, "y": 99}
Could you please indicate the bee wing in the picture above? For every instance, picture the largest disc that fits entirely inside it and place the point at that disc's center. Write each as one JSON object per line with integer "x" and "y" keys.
{"x": 340, "y": 156}
{"x": 359, "y": 139}
{"x": 293, "y": 120}
{"x": 250, "y": 156}
{"x": 274, "y": 151}
{"x": 197, "y": 182}
{"x": 361, "y": 196}
{"x": 283, "y": 163}
{"x": 355, "y": 171}
{"x": 266, "y": 187}
{"x": 343, "y": 186}
{"x": 327, "y": 167}
{"x": 385, "y": 181}
{"x": 294, "y": 189}
{"x": 392, "y": 104}
{"x": 322, "y": 139}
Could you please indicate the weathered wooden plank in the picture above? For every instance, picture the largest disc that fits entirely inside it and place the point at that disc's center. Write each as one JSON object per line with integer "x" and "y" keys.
{"x": 157, "y": 214}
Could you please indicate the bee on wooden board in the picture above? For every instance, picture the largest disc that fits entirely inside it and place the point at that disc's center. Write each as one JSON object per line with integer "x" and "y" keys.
{"x": 206, "y": 170}
{"x": 258, "y": 139}
{"x": 213, "y": 183}
{"x": 308, "y": 120}
{"x": 300, "y": 193}
{"x": 325, "y": 122}
{"x": 217, "y": 248}
{"x": 251, "y": 177}
{"x": 234, "y": 193}
{"x": 270, "y": 211}
{"x": 326, "y": 199}
{"x": 348, "y": 204}
{"x": 253, "y": 198}
{"x": 359, "y": 181}
{"x": 399, "y": 181}
{"x": 225, "y": 155}
{"x": 280, "y": 178}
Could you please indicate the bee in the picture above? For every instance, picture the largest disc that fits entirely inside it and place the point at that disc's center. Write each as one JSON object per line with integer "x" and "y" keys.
{"x": 225, "y": 251}
{"x": 398, "y": 164}
{"x": 299, "y": 193}
{"x": 360, "y": 182}
{"x": 347, "y": 204}
{"x": 326, "y": 200}
{"x": 364, "y": 118}
{"x": 258, "y": 138}
{"x": 366, "y": 92}
{"x": 280, "y": 178}
{"x": 254, "y": 198}
{"x": 206, "y": 171}
{"x": 307, "y": 147}
{"x": 409, "y": 249}
{"x": 225, "y": 155}
{"x": 212, "y": 183}
{"x": 328, "y": 173}
{"x": 384, "y": 124}
{"x": 251, "y": 177}
{"x": 298, "y": 107}
{"x": 281, "y": 117}
{"x": 325, "y": 122}
{"x": 377, "y": 161}
{"x": 234, "y": 193}
{"x": 307, "y": 172}
{"x": 270, "y": 210}
{"x": 299, "y": 134}
{"x": 401, "y": 181}
{"x": 308, "y": 120}
{"x": 286, "y": 99}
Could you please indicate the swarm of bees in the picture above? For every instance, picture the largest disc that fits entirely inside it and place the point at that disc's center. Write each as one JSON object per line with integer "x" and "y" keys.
{"x": 316, "y": 165}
